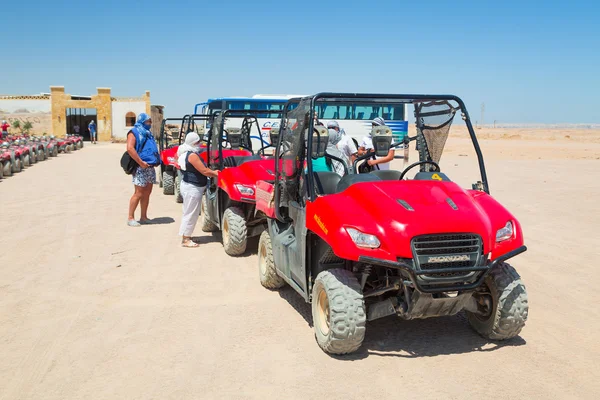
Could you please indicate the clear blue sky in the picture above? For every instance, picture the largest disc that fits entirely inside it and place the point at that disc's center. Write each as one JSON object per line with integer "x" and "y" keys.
{"x": 529, "y": 61}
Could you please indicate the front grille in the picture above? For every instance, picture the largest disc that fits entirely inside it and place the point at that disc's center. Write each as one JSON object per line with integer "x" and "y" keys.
{"x": 446, "y": 251}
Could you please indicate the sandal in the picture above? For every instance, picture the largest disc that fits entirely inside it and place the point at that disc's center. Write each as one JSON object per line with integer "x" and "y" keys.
{"x": 189, "y": 243}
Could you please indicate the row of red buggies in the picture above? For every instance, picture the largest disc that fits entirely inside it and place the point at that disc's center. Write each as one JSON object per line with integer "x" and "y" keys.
{"x": 19, "y": 152}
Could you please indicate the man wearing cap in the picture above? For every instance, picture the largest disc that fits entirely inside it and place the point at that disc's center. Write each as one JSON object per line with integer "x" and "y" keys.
{"x": 346, "y": 144}
{"x": 382, "y": 163}
{"x": 4, "y": 129}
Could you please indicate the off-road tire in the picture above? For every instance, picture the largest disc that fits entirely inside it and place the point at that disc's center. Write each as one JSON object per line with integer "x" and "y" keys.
{"x": 168, "y": 182}
{"x": 41, "y": 155}
{"x": 69, "y": 148}
{"x": 16, "y": 165}
{"x": 266, "y": 264}
{"x": 55, "y": 151}
{"x": 27, "y": 160}
{"x": 207, "y": 226}
{"x": 339, "y": 325}
{"x": 79, "y": 144}
{"x": 235, "y": 233}
{"x": 509, "y": 305}
{"x": 7, "y": 168}
{"x": 178, "y": 196}
{"x": 33, "y": 157}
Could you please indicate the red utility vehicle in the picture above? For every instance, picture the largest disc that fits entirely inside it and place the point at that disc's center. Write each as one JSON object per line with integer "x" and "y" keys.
{"x": 229, "y": 204}
{"x": 170, "y": 177}
{"x": 364, "y": 246}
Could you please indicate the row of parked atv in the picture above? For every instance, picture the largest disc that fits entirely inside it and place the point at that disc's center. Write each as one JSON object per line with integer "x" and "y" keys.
{"x": 19, "y": 152}
{"x": 361, "y": 246}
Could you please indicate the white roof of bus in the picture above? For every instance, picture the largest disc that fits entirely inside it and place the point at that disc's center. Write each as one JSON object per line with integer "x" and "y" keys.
{"x": 277, "y": 96}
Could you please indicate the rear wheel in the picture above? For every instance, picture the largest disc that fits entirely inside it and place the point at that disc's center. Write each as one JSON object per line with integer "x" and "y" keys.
{"x": 207, "y": 226}
{"x": 178, "y": 196}
{"x": 27, "y": 160}
{"x": 7, "y": 168}
{"x": 168, "y": 182}
{"x": 266, "y": 265}
{"x": 33, "y": 157}
{"x": 55, "y": 151}
{"x": 234, "y": 231}
{"x": 338, "y": 311}
{"x": 41, "y": 155}
{"x": 505, "y": 298}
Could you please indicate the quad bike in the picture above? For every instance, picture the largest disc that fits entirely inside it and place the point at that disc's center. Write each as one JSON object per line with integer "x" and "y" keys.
{"x": 41, "y": 151}
{"x": 77, "y": 141}
{"x": 170, "y": 174}
{"x": 17, "y": 156}
{"x": 50, "y": 146}
{"x": 23, "y": 150}
{"x": 229, "y": 202}
{"x": 367, "y": 246}
{"x": 6, "y": 155}
{"x": 65, "y": 145}
{"x": 32, "y": 149}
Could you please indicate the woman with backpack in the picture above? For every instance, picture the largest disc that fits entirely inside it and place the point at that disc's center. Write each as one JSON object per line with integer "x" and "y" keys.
{"x": 193, "y": 184}
{"x": 142, "y": 148}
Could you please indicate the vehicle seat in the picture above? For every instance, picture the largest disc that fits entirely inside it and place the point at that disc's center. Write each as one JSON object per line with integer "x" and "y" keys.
{"x": 326, "y": 182}
{"x": 350, "y": 180}
{"x": 236, "y": 161}
{"x": 387, "y": 175}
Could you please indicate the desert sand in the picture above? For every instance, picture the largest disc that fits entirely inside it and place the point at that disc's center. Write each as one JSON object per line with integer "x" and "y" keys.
{"x": 93, "y": 309}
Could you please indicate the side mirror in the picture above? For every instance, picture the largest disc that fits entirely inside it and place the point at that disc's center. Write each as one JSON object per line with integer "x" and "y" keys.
{"x": 382, "y": 140}
{"x": 319, "y": 142}
{"x": 274, "y": 136}
{"x": 234, "y": 136}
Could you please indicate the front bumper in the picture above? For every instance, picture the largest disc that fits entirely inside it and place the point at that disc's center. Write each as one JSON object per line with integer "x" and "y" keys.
{"x": 438, "y": 286}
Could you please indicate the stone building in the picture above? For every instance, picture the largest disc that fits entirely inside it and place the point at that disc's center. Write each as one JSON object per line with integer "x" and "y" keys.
{"x": 59, "y": 113}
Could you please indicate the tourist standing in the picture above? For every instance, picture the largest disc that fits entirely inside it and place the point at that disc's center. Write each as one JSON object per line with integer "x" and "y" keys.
{"x": 142, "y": 148}
{"x": 93, "y": 134}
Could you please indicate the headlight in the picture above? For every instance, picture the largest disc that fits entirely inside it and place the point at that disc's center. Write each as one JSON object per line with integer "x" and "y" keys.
{"x": 363, "y": 239}
{"x": 245, "y": 190}
{"x": 505, "y": 233}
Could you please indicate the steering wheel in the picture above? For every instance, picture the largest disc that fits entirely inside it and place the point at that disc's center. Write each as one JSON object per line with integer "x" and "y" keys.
{"x": 437, "y": 167}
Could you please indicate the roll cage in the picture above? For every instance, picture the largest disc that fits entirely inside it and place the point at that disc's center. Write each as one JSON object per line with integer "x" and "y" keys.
{"x": 434, "y": 115}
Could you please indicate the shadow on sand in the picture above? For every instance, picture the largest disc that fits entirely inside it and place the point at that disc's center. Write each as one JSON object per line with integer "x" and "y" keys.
{"x": 394, "y": 337}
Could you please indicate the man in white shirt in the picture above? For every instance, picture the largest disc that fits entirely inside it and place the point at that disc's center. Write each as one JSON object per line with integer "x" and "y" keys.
{"x": 382, "y": 163}
{"x": 345, "y": 145}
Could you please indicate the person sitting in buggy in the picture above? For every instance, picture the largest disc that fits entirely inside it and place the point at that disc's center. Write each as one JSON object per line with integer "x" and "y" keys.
{"x": 377, "y": 163}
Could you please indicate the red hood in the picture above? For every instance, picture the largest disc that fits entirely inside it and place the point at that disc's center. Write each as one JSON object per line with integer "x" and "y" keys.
{"x": 246, "y": 174}
{"x": 376, "y": 208}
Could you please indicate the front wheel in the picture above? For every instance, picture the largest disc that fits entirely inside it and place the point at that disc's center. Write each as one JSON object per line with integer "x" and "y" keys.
{"x": 27, "y": 160}
{"x": 338, "y": 310}
{"x": 266, "y": 264}
{"x": 235, "y": 233}
{"x": 505, "y": 298}
{"x": 54, "y": 151}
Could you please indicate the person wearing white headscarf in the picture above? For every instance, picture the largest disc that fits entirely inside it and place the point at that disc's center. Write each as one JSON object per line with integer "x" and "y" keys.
{"x": 334, "y": 139}
{"x": 346, "y": 144}
{"x": 193, "y": 184}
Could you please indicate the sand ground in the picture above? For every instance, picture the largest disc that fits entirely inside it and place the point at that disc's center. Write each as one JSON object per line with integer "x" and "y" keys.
{"x": 93, "y": 309}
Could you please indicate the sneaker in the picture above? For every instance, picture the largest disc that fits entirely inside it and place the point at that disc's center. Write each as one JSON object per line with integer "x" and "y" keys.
{"x": 133, "y": 222}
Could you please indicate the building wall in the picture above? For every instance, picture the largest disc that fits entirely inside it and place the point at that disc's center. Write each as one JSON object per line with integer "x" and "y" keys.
{"x": 33, "y": 109}
{"x": 119, "y": 111}
{"x": 102, "y": 102}
{"x": 48, "y": 113}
